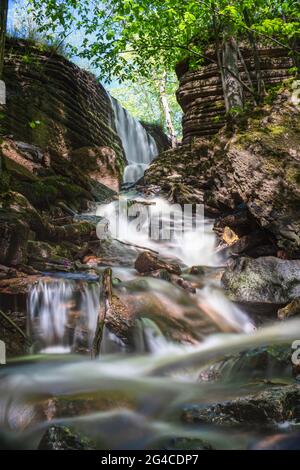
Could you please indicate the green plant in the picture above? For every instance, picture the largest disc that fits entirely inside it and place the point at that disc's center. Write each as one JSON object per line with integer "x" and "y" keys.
{"x": 34, "y": 124}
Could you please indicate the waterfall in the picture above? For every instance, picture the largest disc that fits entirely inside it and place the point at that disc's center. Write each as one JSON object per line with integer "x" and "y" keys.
{"x": 139, "y": 146}
{"x": 63, "y": 314}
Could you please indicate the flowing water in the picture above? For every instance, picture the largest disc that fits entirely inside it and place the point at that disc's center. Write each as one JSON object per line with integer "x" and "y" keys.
{"x": 139, "y": 146}
{"x": 133, "y": 397}
{"x": 122, "y": 400}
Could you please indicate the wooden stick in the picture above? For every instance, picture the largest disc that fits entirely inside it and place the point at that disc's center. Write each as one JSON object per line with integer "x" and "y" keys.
{"x": 106, "y": 300}
{"x": 18, "y": 329}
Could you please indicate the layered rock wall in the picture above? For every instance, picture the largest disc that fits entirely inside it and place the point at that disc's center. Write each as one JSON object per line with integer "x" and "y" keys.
{"x": 200, "y": 92}
{"x": 53, "y": 103}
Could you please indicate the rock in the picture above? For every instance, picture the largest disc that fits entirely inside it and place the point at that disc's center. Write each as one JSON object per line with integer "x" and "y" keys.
{"x": 195, "y": 271}
{"x": 200, "y": 91}
{"x": 15, "y": 205}
{"x": 92, "y": 261}
{"x": 32, "y": 152}
{"x": 218, "y": 176}
{"x": 163, "y": 141}
{"x": 147, "y": 262}
{"x": 276, "y": 405}
{"x": 229, "y": 236}
{"x": 16, "y": 344}
{"x": 65, "y": 106}
{"x": 252, "y": 245}
{"x": 14, "y": 235}
{"x": 183, "y": 443}
{"x": 178, "y": 316}
{"x": 100, "y": 164}
{"x": 6, "y": 272}
{"x": 183, "y": 283}
{"x": 38, "y": 250}
{"x": 290, "y": 310}
{"x": 289, "y": 441}
{"x": 20, "y": 285}
{"x": 241, "y": 222}
{"x": 173, "y": 278}
{"x": 262, "y": 364}
{"x": 267, "y": 281}
{"x": 64, "y": 438}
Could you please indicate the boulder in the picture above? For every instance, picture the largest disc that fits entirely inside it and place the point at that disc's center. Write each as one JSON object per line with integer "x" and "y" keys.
{"x": 266, "y": 281}
{"x": 275, "y": 405}
{"x": 147, "y": 262}
{"x": 293, "y": 308}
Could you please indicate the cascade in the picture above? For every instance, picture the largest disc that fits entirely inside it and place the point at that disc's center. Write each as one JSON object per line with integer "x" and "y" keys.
{"x": 63, "y": 314}
{"x": 139, "y": 146}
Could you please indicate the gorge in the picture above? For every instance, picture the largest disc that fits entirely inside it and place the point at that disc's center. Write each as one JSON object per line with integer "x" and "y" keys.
{"x": 149, "y": 295}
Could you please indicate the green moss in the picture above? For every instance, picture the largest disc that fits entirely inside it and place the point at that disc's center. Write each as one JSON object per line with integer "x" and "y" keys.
{"x": 276, "y": 130}
{"x": 4, "y": 181}
{"x": 293, "y": 175}
{"x": 39, "y": 194}
{"x": 17, "y": 170}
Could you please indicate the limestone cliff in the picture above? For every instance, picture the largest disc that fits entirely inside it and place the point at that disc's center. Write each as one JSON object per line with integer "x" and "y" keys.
{"x": 54, "y": 104}
{"x": 253, "y": 166}
{"x": 200, "y": 92}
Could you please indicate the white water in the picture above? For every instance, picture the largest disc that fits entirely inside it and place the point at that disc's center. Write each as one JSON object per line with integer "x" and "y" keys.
{"x": 191, "y": 245}
{"x": 139, "y": 146}
{"x": 62, "y": 310}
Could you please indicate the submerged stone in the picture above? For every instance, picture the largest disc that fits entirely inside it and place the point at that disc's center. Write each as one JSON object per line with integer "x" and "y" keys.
{"x": 64, "y": 438}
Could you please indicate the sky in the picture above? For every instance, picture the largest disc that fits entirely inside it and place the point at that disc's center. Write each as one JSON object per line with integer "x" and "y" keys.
{"x": 17, "y": 14}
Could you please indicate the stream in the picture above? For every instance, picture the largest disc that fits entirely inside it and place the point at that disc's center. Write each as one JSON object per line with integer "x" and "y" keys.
{"x": 133, "y": 396}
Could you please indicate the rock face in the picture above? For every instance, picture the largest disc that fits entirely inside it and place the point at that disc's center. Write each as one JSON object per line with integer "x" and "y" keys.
{"x": 162, "y": 140}
{"x": 58, "y": 107}
{"x": 54, "y": 104}
{"x": 200, "y": 92}
{"x": 266, "y": 280}
{"x": 255, "y": 165}
{"x": 100, "y": 164}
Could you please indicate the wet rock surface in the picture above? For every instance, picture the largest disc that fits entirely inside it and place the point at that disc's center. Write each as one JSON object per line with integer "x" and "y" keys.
{"x": 266, "y": 280}
{"x": 148, "y": 262}
{"x": 266, "y": 146}
{"x": 267, "y": 408}
{"x": 63, "y": 438}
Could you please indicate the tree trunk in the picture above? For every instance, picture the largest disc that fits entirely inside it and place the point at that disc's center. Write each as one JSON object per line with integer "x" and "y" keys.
{"x": 232, "y": 86}
{"x": 261, "y": 90}
{"x": 3, "y": 25}
{"x": 166, "y": 110}
{"x": 105, "y": 308}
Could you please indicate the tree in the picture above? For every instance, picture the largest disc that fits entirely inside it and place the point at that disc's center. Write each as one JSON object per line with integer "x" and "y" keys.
{"x": 3, "y": 28}
{"x": 129, "y": 39}
{"x": 166, "y": 108}
{"x": 143, "y": 100}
